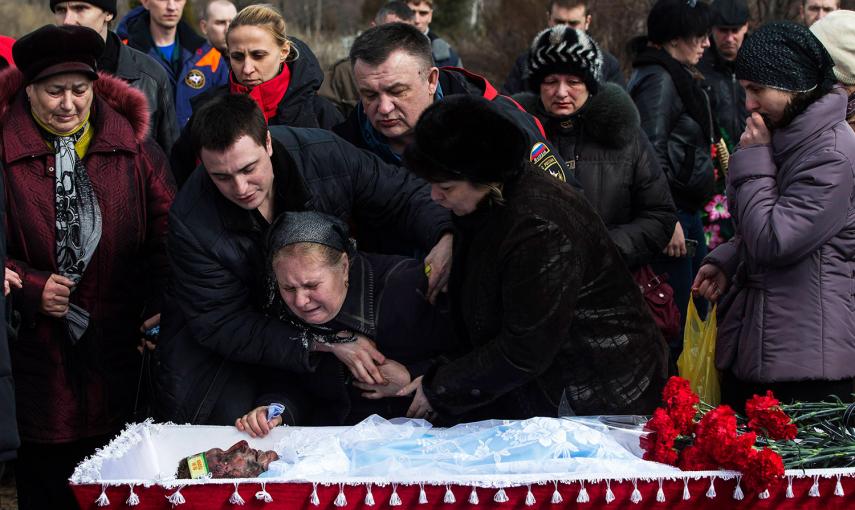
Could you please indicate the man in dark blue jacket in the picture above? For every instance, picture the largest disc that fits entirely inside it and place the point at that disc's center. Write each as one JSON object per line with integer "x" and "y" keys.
{"x": 397, "y": 81}
{"x": 192, "y": 63}
{"x": 443, "y": 54}
{"x": 214, "y": 333}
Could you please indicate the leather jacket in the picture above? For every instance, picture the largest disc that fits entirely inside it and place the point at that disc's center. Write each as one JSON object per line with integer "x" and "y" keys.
{"x": 146, "y": 75}
{"x": 677, "y": 138}
{"x": 727, "y": 97}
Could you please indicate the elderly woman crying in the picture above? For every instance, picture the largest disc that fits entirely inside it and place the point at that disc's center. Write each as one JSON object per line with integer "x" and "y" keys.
{"x": 87, "y": 196}
{"x": 321, "y": 284}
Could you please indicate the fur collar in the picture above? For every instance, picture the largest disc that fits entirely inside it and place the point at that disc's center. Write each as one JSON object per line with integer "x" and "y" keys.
{"x": 609, "y": 117}
{"x": 127, "y": 101}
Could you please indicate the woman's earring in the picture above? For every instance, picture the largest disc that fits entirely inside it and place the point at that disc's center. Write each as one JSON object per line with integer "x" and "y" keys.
{"x": 346, "y": 283}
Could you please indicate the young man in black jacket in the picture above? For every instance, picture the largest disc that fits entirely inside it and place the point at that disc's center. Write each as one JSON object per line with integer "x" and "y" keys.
{"x": 215, "y": 334}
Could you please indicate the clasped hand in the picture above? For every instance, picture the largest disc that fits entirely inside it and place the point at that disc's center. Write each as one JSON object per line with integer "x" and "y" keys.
{"x": 756, "y": 132}
{"x": 360, "y": 356}
{"x": 56, "y": 295}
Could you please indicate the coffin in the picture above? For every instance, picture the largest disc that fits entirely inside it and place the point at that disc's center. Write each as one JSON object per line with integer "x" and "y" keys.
{"x": 137, "y": 469}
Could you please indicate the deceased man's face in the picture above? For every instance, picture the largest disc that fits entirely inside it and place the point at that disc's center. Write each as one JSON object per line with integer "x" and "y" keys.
{"x": 239, "y": 461}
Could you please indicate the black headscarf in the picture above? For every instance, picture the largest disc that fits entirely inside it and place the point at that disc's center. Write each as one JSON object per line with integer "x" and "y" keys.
{"x": 308, "y": 227}
{"x": 785, "y": 56}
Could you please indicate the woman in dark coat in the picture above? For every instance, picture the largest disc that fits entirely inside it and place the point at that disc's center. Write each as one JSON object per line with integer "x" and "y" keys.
{"x": 87, "y": 196}
{"x": 595, "y": 128}
{"x": 549, "y": 318}
{"x": 280, "y": 73}
{"x": 675, "y": 114}
{"x": 321, "y": 285}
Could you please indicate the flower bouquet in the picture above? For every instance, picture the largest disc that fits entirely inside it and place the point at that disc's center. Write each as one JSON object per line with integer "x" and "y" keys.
{"x": 687, "y": 433}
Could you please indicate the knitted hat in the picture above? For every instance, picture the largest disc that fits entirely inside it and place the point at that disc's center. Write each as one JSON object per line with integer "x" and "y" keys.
{"x": 836, "y": 32}
{"x": 107, "y": 5}
{"x": 565, "y": 50}
{"x": 467, "y": 138}
{"x": 53, "y": 50}
{"x": 785, "y": 56}
{"x": 729, "y": 13}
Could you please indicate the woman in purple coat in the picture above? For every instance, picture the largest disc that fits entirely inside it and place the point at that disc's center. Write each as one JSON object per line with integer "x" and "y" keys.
{"x": 786, "y": 281}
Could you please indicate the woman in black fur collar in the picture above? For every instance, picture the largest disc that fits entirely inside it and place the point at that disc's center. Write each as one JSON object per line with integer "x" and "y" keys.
{"x": 596, "y": 129}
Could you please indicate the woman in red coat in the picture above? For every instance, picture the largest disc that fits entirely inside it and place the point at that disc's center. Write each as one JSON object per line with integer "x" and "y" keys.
{"x": 87, "y": 197}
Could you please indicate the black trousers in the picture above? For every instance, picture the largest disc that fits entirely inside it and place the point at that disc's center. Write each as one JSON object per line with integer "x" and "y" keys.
{"x": 734, "y": 392}
{"x": 42, "y": 472}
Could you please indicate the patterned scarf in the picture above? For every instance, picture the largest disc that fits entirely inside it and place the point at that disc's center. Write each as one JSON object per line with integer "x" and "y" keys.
{"x": 78, "y": 215}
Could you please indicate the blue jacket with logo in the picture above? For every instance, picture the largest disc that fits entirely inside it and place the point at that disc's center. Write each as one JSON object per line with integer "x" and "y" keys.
{"x": 199, "y": 67}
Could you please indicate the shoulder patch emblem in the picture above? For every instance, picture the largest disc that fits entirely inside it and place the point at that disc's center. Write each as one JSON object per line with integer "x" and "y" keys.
{"x": 195, "y": 79}
{"x": 541, "y": 156}
{"x": 538, "y": 152}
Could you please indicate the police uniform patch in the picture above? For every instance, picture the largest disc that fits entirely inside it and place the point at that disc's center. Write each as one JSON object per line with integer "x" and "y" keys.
{"x": 195, "y": 79}
{"x": 551, "y": 166}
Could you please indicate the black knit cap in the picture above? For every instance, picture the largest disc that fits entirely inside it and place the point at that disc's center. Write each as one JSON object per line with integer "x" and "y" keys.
{"x": 467, "y": 138}
{"x": 107, "y": 5}
{"x": 565, "y": 50}
{"x": 729, "y": 13}
{"x": 53, "y": 50}
{"x": 308, "y": 227}
{"x": 785, "y": 56}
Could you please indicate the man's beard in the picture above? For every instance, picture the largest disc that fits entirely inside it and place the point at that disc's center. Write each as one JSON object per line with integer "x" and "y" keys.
{"x": 797, "y": 105}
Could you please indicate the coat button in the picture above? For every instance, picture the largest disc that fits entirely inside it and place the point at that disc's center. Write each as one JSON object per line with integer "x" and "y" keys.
{"x": 50, "y": 169}
{"x": 475, "y": 393}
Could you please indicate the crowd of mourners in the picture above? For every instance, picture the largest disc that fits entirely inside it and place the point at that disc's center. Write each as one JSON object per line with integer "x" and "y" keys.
{"x": 199, "y": 224}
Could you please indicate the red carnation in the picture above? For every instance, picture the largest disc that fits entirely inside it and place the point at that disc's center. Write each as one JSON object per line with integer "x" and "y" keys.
{"x": 693, "y": 458}
{"x": 658, "y": 444}
{"x": 717, "y": 436}
{"x": 680, "y": 403}
{"x": 736, "y": 452}
{"x": 766, "y": 416}
{"x": 718, "y": 425}
{"x": 763, "y": 471}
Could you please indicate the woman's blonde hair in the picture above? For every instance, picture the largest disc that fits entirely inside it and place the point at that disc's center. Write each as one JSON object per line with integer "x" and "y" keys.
{"x": 269, "y": 18}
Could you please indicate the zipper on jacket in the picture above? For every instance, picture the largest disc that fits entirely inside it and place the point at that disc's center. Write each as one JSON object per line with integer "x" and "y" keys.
{"x": 207, "y": 393}
{"x": 734, "y": 89}
{"x": 709, "y": 116}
